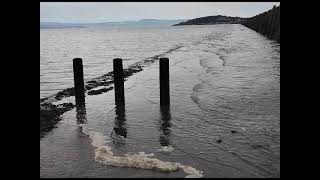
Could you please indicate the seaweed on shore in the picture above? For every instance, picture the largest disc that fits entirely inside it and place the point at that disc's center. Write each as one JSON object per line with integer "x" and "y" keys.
{"x": 65, "y": 93}
{"x": 107, "y": 78}
{"x": 99, "y": 91}
{"x": 50, "y": 115}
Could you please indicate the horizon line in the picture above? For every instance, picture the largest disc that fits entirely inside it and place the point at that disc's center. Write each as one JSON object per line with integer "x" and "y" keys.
{"x": 135, "y": 20}
{"x": 110, "y": 21}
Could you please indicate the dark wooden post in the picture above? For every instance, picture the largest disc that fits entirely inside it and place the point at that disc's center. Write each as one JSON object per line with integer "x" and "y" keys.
{"x": 264, "y": 18}
{"x": 78, "y": 81}
{"x": 165, "y": 125}
{"x": 81, "y": 114}
{"x": 271, "y": 26}
{"x": 268, "y": 22}
{"x": 164, "y": 82}
{"x": 118, "y": 81}
{"x": 277, "y": 26}
{"x": 120, "y": 121}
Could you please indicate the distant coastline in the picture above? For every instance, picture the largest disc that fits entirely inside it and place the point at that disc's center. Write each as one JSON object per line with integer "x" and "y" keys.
{"x": 210, "y": 20}
{"x": 62, "y": 27}
{"x": 140, "y": 23}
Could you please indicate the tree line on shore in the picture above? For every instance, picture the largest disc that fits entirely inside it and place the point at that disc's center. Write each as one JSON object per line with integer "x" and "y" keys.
{"x": 266, "y": 23}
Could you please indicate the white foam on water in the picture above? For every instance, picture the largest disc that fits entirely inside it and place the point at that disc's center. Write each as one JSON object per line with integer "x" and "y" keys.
{"x": 136, "y": 161}
{"x": 193, "y": 173}
{"x": 69, "y": 99}
{"x": 104, "y": 155}
{"x": 166, "y": 149}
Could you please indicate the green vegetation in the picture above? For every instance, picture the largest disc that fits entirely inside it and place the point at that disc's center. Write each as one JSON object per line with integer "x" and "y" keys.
{"x": 213, "y": 20}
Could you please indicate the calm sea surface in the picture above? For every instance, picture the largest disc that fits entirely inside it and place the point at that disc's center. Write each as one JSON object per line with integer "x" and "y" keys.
{"x": 224, "y": 85}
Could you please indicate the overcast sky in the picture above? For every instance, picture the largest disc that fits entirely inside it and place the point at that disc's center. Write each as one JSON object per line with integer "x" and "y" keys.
{"x": 122, "y": 11}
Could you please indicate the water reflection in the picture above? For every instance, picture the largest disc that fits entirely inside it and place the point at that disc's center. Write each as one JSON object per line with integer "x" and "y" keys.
{"x": 120, "y": 127}
{"x": 164, "y": 125}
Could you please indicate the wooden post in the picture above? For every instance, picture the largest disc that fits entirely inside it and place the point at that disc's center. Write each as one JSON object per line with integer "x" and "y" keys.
{"x": 165, "y": 125}
{"x": 81, "y": 114}
{"x": 164, "y": 82}
{"x": 277, "y": 26}
{"x": 268, "y": 22}
{"x": 118, "y": 81}
{"x": 271, "y": 26}
{"x": 120, "y": 121}
{"x": 78, "y": 81}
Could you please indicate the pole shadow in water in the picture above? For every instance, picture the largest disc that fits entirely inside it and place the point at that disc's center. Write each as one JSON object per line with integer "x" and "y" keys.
{"x": 164, "y": 125}
{"x": 120, "y": 126}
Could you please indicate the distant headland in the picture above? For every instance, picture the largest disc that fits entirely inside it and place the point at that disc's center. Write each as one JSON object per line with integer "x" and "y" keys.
{"x": 208, "y": 20}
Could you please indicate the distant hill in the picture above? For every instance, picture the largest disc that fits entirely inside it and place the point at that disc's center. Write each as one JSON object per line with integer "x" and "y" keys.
{"x": 212, "y": 20}
{"x": 140, "y": 23}
{"x": 53, "y": 25}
